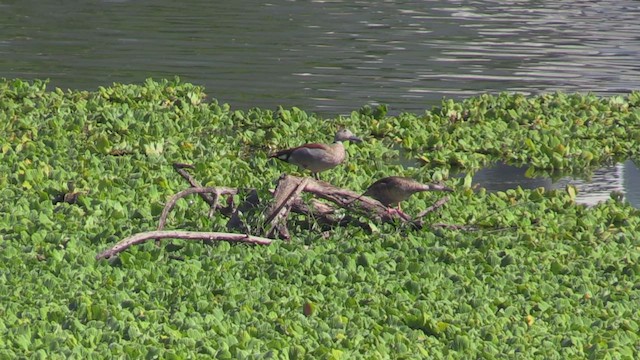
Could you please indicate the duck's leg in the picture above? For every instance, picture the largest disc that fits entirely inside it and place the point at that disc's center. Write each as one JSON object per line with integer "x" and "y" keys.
{"x": 397, "y": 212}
{"x": 402, "y": 213}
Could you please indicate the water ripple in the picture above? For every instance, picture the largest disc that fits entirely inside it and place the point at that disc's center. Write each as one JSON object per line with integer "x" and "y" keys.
{"x": 331, "y": 56}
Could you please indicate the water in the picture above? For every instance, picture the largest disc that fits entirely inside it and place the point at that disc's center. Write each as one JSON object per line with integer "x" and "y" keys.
{"x": 621, "y": 178}
{"x": 331, "y": 56}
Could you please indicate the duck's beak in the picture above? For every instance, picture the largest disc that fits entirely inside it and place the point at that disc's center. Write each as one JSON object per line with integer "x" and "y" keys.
{"x": 355, "y": 139}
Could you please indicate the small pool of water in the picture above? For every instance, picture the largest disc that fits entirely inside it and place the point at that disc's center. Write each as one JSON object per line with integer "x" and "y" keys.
{"x": 623, "y": 178}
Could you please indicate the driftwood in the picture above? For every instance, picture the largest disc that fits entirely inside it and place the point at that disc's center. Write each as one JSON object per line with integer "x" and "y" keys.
{"x": 284, "y": 195}
{"x": 340, "y": 206}
{"x": 354, "y": 202}
{"x": 180, "y": 169}
{"x": 216, "y": 191}
{"x": 185, "y": 235}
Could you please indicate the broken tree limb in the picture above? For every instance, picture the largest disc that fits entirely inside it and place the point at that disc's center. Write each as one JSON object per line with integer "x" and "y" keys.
{"x": 454, "y": 227}
{"x": 320, "y": 211}
{"x": 418, "y": 221}
{"x": 184, "y": 235}
{"x": 324, "y": 209}
{"x": 285, "y": 193}
{"x": 438, "y": 204}
{"x": 346, "y": 198}
{"x": 217, "y": 191}
{"x": 180, "y": 169}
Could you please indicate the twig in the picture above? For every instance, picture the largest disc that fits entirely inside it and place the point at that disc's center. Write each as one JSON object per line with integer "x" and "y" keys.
{"x": 183, "y": 166}
{"x": 179, "y": 167}
{"x": 438, "y": 204}
{"x": 185, "y": 235}
{"x": 206, "y": 190}
{"x": 454, "y": 227}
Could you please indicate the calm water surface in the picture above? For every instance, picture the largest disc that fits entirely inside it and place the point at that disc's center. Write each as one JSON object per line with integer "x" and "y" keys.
{"x": 331, "y": 57}
{"x": 598, "y": 187}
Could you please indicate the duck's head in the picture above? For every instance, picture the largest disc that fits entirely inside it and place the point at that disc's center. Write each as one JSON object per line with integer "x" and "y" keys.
{"x": 346, "y": 135}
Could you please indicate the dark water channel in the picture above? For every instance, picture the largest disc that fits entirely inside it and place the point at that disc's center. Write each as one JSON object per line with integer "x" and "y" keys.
{"x": 621, "y": 178}
{"x": 333, "y": 56}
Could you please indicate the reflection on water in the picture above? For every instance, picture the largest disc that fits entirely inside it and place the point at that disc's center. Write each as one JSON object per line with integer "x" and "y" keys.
{"x": 333, "y": 56}
{"x": 623, "y": 178}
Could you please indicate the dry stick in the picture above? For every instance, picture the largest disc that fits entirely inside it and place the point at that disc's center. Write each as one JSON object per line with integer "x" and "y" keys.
{"x": 418, "y": 222}
{"x": 206, "y": 190}
{"x": 454, "y": 227}
{"x": 183, "y": 166}
{"x": 185, "y": 235}
{"x": 344, "y": 198}
{"x": 319, "y": 210}
{"x": 438, "y": 204}
{"x": 280, "y": 196}
{"x": 281, "y": 206}
{"x": 283, "y": 200}
{"x": 193, "y": 182}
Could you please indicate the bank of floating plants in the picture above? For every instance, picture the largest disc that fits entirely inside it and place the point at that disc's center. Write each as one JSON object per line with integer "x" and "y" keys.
{"x": 526, "y": 274}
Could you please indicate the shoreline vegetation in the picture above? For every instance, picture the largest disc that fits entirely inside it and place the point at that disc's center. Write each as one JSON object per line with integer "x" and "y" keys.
{"x": 535, "y": 275}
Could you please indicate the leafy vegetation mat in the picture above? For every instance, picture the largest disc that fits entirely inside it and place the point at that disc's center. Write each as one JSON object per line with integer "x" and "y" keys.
{"x": 543, "y": 277}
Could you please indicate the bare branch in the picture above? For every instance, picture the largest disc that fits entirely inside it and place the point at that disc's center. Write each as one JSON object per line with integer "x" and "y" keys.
{"x": 318, "y": 210}
{"x": 286, "y": 192}
{"x": 345, "y": 199}
{"x": 438, "y": 204}
{"x": 180, "y": 168}
{"x": 206, "y": 190}
{"x": 185, "y": 235}
{"x": 454, "y": 227}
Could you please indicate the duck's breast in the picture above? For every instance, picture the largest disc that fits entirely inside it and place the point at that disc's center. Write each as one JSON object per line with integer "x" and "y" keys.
{"x": 317, "y": 157}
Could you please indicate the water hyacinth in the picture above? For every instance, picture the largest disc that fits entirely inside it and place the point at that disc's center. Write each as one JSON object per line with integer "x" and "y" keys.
{"x": 540, "y": 277}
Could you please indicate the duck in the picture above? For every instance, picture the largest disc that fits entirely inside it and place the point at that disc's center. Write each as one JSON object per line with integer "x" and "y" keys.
{"x": 392, "y": 190}
{"x": 317, "y": 157}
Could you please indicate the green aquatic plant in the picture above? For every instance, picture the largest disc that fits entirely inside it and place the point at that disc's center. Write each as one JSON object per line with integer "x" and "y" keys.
{"x": 539, "y": 277}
